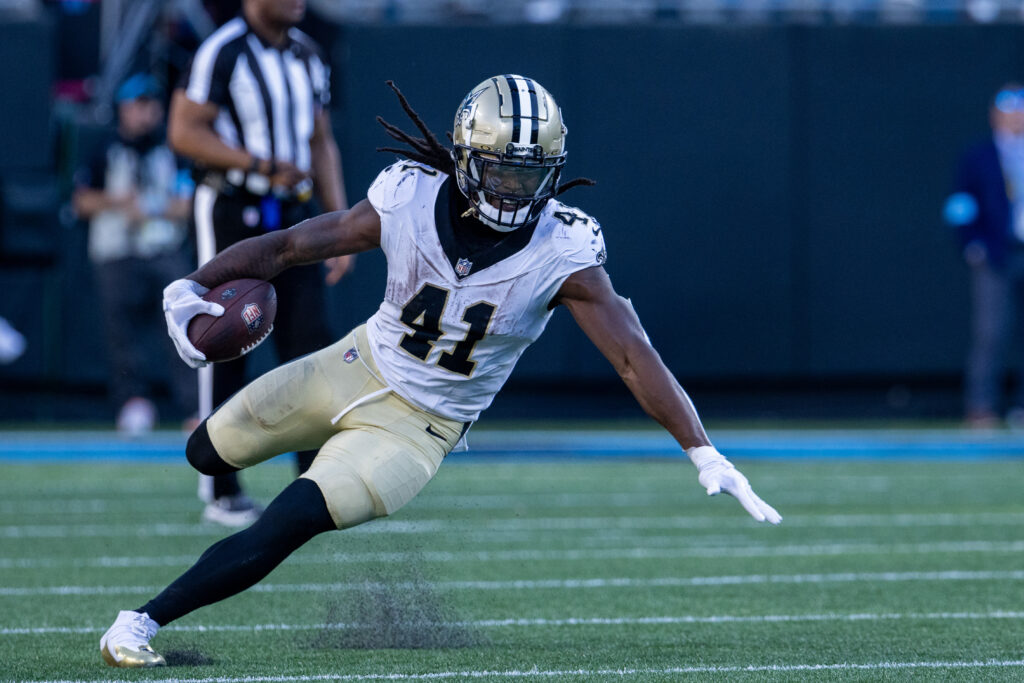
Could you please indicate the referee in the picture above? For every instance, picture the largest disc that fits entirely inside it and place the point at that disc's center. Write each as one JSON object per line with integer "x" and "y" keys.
{"x": 252, "y": 114}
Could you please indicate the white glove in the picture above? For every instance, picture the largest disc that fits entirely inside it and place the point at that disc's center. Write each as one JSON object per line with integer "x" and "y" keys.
{"x": 718, "y": 474}
{"x": 182, "y": 302}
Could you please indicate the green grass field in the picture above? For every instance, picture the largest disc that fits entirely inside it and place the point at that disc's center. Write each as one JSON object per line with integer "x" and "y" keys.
{"x": 553, "y": 571}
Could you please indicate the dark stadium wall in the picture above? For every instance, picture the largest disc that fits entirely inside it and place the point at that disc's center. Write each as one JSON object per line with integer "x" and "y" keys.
{"x": 28, "y": 56}
{"x": 770, "y": 196}
{"x": 30, "y": 281}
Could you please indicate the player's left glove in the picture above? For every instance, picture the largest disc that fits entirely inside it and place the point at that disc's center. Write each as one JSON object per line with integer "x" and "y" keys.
{"x": 183, "y": 300}
{"x": 718, "y": 474}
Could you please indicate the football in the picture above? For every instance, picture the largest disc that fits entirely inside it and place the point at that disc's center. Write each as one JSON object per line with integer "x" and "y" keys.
{"x": 249, "y": 310}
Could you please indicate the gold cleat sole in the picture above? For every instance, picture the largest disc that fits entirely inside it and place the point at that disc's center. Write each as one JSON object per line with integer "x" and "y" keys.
{"x": 142, "y": 658}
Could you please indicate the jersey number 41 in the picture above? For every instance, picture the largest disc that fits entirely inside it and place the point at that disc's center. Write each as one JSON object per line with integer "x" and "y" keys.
{"x": 423, "y": 313}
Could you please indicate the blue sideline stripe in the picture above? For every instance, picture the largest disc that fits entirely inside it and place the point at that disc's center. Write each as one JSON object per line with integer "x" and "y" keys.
{"x": 760, "y": 444}
{"x": 51, "y": 446}
{"x": 493, "y": 444}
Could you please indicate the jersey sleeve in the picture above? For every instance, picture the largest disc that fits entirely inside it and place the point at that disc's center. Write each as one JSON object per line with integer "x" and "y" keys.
{"x": 579, "y": 244}
{"x": 581, "y": 239}
{"x": 209, "y": 75}
{"x": 393, "y": 189}
{"x": 593, "y": 251}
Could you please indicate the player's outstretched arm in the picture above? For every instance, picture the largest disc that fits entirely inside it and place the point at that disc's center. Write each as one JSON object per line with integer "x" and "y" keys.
{"x": 611, "y": 323}
{"x": 332, "y": 234}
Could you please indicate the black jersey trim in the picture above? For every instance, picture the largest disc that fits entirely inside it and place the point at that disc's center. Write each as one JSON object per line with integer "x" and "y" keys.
{"x": 449, "y": 223}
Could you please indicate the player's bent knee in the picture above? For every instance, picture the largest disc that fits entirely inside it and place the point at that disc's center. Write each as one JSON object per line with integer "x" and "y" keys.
{"x": 203, "y": 456}
{"x": 348, "y": 499}
{"x": 296, "y": 515}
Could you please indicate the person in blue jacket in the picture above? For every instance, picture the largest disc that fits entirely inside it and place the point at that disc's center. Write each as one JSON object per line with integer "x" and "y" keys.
{"x": 986, "y": 209}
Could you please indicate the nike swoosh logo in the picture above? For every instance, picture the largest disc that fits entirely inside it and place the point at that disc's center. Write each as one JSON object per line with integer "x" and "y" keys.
{"x": 430, "y": 430}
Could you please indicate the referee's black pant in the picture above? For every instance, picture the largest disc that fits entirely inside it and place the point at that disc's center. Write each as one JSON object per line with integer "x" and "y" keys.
{"x": 300, "y": 326}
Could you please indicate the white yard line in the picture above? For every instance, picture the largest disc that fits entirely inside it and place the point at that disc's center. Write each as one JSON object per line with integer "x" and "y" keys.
{"x": 142, "y": 506}
{"x": 446, "y": 502}
{"x": 739, "y": 549}
{"x": 540, "y": 584}
{"x": 491, "y": 525}
{"x": 590, "y": 673}
{"x": 572, "y": 621}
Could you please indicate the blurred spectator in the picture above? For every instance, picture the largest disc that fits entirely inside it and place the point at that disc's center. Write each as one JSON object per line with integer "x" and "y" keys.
{"x": 12, "y": 343}
{"x": 544, "y": 11}
{"x": 137, "y": 201}
{"x": 987, "y": 210}
{"x": 983, "y": 11}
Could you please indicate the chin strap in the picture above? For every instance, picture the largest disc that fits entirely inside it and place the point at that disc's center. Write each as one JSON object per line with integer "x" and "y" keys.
{"x": 484, "y": 213}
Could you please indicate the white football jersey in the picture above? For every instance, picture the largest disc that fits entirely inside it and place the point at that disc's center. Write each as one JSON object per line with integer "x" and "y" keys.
{"x": 447, "y": 336}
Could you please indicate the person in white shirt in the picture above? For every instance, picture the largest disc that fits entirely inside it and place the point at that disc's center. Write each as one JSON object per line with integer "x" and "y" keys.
{"x": 136, "y": 196}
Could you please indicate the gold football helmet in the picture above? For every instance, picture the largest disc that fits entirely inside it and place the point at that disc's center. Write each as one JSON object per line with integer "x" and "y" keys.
{"x": 509, "y": 150}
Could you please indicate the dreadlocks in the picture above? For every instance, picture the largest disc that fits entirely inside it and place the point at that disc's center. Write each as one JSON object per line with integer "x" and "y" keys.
{"x": 429, "y": 151}
{"x": 426, "y": 150}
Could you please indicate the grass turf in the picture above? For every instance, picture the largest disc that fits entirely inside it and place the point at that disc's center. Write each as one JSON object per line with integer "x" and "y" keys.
{"x": 574, "y": 571}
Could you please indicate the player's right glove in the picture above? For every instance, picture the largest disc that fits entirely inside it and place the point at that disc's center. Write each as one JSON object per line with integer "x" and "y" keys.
{"x": 718, "y": 474}
{"x": 182, "y": 302}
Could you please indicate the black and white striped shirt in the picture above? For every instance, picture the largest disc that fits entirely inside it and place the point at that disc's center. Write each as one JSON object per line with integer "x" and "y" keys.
{"x": 268, "y": 96}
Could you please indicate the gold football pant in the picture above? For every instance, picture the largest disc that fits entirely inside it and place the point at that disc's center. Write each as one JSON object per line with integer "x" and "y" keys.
{"x": 375, "y": 450}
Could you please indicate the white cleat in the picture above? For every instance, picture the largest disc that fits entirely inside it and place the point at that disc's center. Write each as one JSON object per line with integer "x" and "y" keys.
{"x": 126, "y": 642}
{"x": 232, "y": 511}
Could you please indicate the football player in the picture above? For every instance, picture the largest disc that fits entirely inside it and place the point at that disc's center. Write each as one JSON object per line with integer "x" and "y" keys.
{"x": 479, "y": 254}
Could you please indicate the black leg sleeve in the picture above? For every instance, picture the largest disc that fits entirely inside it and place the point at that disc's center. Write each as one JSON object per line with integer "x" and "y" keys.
{"x": 203, "y": 456}
{"x": 239, "y": 561}
{"x": 303, "y": 459}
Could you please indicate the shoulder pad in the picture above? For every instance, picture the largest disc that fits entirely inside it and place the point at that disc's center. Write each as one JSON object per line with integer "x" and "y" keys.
{"x": 396, "y": 185}
{"x": 577, "y": 234}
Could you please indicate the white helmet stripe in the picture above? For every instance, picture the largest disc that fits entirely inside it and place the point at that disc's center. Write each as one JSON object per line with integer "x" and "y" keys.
{"x": 526, "y": 110}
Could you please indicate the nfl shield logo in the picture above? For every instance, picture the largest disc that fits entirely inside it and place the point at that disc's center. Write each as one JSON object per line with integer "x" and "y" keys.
{"x": 252, "y": 316}
{"x": 351, "y": 355}
{"x": 463, "y": 267}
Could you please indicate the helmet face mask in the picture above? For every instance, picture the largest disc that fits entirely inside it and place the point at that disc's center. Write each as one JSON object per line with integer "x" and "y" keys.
{"x": 506, "y": 194}
{"x": 509, "y": 150}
